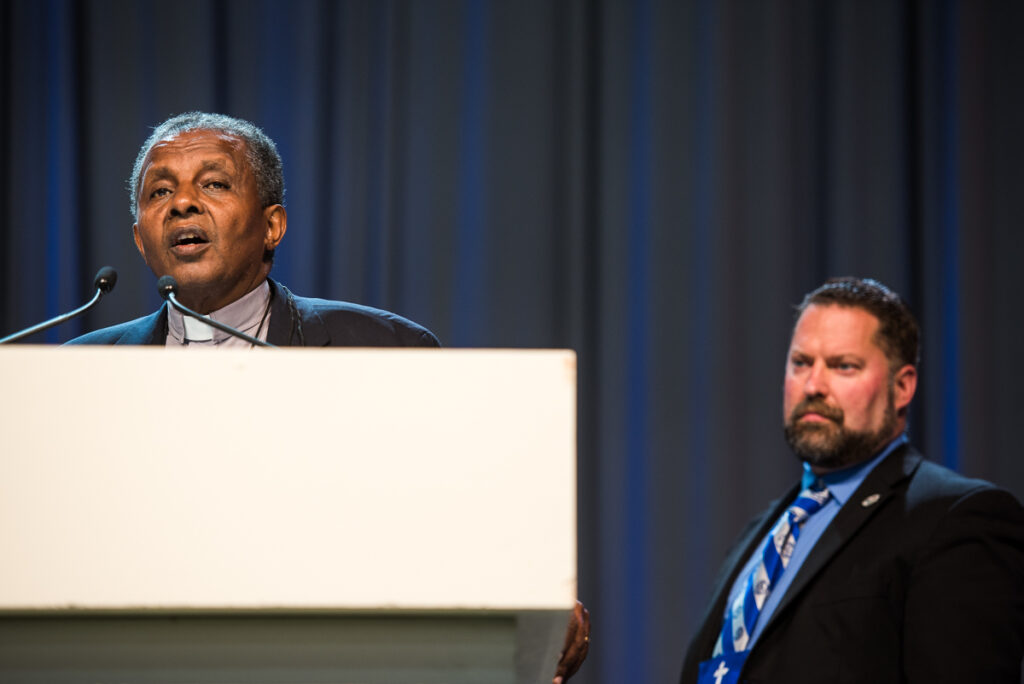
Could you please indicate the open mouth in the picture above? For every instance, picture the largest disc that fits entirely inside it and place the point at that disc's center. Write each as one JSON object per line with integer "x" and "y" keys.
{"x": 188, "y": 240}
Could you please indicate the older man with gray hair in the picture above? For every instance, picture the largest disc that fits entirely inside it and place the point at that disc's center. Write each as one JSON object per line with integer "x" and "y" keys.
{"x": 207, "y": 195}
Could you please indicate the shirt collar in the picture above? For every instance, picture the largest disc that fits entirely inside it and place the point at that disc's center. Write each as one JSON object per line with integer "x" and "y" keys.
{"x": 242, "y": 314}
{"x": 842, "y": 483}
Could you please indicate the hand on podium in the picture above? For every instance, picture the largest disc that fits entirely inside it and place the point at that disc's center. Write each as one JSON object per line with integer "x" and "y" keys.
{"x": 577, "y": 644}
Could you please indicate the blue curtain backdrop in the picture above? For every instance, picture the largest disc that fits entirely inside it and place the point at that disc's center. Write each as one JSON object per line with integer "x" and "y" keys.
{"x": 653, "y": 184}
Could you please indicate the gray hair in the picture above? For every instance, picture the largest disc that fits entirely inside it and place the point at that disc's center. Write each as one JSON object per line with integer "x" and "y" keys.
{"x": 264, "y": 161}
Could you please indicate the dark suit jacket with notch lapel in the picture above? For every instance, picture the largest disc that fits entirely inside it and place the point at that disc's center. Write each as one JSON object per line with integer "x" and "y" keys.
{"x": 324, "y": 323}
{"x": 926, "y": 584}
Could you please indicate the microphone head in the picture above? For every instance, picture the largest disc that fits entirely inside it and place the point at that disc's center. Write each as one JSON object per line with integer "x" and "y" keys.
{"x": 167, "y": 286}
{"x": 105, "y": 279}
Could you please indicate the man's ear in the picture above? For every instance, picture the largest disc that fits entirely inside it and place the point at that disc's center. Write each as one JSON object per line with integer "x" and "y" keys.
{"x": 276, "y": 219}
{"x": 904, "y": 384}
{"x": 138, "y": 242}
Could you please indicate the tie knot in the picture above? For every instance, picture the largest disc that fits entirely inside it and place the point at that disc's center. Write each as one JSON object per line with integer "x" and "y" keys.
{"x": 808, "y": 502}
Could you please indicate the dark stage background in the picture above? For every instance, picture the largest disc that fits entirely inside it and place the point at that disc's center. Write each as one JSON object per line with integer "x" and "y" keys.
{"x": 653, "y": 184}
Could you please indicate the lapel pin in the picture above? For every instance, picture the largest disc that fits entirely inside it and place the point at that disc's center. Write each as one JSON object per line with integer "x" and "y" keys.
{"x": 870, "y": 500}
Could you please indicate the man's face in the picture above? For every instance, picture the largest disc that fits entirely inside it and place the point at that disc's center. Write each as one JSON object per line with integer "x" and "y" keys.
{"x": 841, "y": 402}
{"x": 201, "y": 219}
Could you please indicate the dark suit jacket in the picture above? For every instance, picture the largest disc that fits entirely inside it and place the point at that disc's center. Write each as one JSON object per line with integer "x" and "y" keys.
{"x": 322, "y": 323}
{"x": 926, "y": 584}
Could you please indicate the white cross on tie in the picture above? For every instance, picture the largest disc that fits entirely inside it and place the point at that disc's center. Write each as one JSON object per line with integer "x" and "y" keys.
{"x": 720, "y": 672}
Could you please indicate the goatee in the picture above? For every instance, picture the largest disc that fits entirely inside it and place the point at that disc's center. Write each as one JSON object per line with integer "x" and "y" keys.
{"x": 829, "y": 445}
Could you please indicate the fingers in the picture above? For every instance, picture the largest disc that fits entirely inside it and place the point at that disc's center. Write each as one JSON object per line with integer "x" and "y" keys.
{"x": 577, "y": 644}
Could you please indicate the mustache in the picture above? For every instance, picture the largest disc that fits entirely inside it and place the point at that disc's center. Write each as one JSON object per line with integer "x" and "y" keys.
{"x": 814, "y": 405}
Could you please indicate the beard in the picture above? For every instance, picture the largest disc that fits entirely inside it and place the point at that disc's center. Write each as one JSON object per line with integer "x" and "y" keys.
{"x": 830, "y": 445}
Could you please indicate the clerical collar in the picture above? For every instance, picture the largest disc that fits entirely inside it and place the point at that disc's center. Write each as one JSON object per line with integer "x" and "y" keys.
{"x": 250, "y": 314}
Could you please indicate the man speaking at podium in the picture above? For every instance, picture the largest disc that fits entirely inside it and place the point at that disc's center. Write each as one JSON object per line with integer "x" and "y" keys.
{"x": 207, "y": 193}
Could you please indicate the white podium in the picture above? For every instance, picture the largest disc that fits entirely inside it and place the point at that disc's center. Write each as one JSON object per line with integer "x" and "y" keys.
{"x": 328, "y": 515}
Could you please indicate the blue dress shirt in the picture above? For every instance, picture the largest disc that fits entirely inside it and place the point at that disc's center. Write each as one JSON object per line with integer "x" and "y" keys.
{"x": 841, "y": 484}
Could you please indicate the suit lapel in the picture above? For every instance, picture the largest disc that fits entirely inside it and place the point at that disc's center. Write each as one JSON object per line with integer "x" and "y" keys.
{"x": 882, "y": 481}
{"x": 733, "y": 564}
{"x": 149, "y": 330}
{"x": 283, "y": 330}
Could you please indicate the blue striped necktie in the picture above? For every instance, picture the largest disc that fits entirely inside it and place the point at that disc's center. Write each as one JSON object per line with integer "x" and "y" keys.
{"x": 742, "y": 615}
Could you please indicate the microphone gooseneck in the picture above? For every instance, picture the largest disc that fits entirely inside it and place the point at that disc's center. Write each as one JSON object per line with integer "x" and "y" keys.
{"x": 104, "y": 282}
{"x": 167, "y": 286}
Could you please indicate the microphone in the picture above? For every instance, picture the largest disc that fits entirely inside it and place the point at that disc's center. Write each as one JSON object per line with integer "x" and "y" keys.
{"x": 167, "y": 286}
{"x": 104, "y": 282}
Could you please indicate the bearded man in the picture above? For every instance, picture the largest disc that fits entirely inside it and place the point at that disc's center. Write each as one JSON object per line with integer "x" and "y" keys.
{"x": 879, "y": 566}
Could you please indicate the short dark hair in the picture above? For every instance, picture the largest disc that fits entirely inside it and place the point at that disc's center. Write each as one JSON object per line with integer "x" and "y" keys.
{"x": 261, "y": 152}
{"x": 898, "y": 332}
